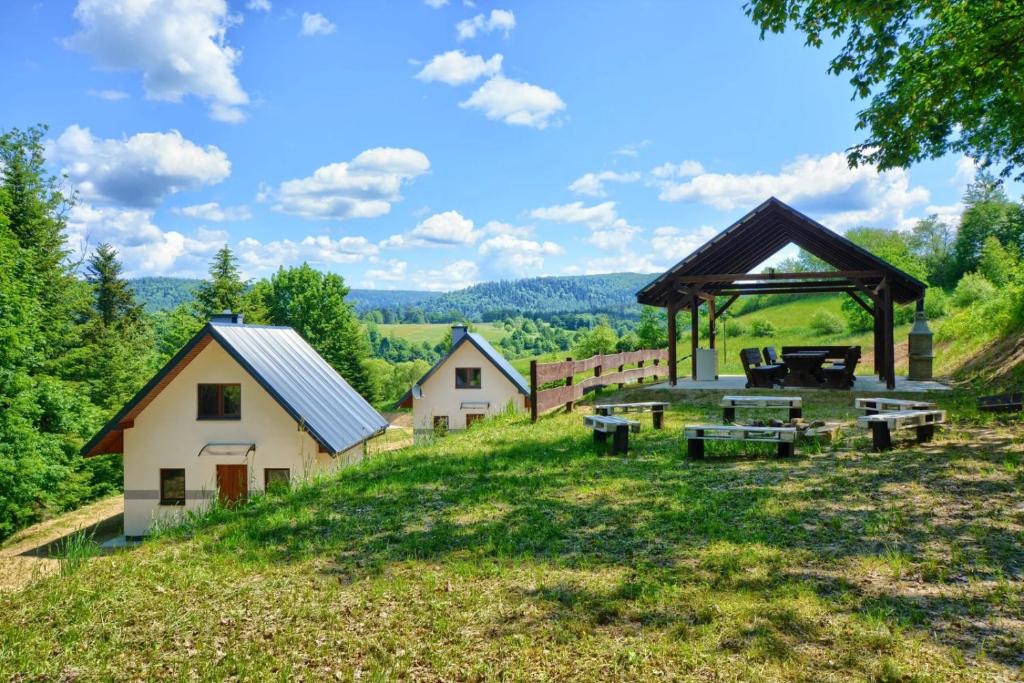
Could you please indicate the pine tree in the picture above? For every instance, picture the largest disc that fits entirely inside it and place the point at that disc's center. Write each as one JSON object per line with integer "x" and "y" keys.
{"x": 115, "y": 300}
{"x": 224, "y": 290}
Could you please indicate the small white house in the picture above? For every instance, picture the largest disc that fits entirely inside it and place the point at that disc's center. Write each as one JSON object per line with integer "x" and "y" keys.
{"x": 240, "y": 408}
{"x": 470, "y": 383}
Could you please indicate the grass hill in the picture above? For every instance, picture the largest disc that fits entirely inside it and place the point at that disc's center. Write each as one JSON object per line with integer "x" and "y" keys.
{"x": 525, "y": 552}
{"x": 164, "y": 293}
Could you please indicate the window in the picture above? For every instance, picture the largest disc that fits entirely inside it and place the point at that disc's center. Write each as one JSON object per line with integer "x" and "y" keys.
{"x": 220, "y": 401}
{"x": 276, "y": 478}
{"x": 172, "y": 487}
{"x": 473, "y": 417}
{"x": 467, "y": 378}
{"x": 440, "y": 425}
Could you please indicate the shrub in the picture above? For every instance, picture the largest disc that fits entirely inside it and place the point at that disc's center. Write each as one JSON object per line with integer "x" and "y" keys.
{"x": 973, "y": 289}
{"x": 762, "y": 328}
{"x": 733, "y": 328}
{"x": 825, "y": 323}
{"x": 935, "y": 303}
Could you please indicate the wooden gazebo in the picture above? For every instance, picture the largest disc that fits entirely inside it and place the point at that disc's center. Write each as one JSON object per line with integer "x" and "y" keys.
{"x": 719, "y": 269}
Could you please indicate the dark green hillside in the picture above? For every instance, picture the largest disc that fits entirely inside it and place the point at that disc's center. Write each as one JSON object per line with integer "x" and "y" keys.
{"x": 370, "y": 299}
{"x": 163, "y": 293}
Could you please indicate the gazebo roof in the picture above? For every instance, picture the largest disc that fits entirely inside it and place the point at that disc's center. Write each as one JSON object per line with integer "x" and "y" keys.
{"x": 756, "y": 237}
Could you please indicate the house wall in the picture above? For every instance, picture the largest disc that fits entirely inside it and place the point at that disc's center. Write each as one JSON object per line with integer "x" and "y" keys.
{"x": 440, "y": 397}
{"x": 168, "y": 435}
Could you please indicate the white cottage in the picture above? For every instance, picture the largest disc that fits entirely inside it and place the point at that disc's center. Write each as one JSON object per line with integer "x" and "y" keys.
{"x": 469, "y": 383}
{"x": 239, "y": 409}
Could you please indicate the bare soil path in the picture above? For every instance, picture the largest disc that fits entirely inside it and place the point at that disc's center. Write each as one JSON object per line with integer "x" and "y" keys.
{"x": 32, "y": 552}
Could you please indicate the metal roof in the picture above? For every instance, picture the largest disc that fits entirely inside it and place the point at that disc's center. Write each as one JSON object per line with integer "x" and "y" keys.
{"x": 289, "y": 369}
{"x": 488, "y": 351}
{"x": 760, "y": 234}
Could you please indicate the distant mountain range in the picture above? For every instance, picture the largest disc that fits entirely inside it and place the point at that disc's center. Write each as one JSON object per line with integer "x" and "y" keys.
{"x": 612, "y": 293}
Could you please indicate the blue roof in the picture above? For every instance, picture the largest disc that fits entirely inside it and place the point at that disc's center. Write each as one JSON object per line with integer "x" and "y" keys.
{"x": 291, "y": 371}
{"x": 488, "y": 351}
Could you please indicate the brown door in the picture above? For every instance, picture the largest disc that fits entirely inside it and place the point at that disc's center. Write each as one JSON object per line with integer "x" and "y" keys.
{"x": 232, "y": 483}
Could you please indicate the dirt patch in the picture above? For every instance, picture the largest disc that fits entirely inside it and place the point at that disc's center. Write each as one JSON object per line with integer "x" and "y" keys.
{"x": 31, "y": 552}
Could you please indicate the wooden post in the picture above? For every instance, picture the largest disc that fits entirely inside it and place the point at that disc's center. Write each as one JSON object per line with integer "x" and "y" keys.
{"x": 568, "y": 383}
{"x": 640, "y": 380}
{"x": 672, "y": 360}
{"x": 711, "y": 322}
{"x": 657, "y": 362}
{"x": 694, "y": 334}
{"x": 878, "y": 341}
{"x": 621, "y": 368}
{"x": 533, "y": 390}
{"x": 890, "y": 342}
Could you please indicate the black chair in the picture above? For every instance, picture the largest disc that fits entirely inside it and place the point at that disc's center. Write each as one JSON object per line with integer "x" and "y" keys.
{"x": 841, "y": 375}
{"x": 759, "y": 375}
{"x": 772, "y": 359}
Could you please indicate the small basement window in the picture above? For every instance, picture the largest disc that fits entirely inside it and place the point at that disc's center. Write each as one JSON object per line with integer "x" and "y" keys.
{"x": 467, "y": 378}
{"x": 440, "y": 425}
{"x": 473, "y": 417}
{"x": 220, "y": 401}
{"x": 172, "y": 487}
{"x": 276, "y": 478}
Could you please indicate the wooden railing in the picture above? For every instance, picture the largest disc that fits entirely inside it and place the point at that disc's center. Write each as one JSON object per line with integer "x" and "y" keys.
{"x": 607, "y": 370}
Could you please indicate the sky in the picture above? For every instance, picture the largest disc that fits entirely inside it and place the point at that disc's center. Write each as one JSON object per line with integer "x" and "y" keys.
{"x": 432, "y": 144}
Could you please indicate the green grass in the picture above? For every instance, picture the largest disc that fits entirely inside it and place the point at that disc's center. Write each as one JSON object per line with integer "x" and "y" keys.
{"x": 516, "y": 551}
{"x": 434, "y": 333}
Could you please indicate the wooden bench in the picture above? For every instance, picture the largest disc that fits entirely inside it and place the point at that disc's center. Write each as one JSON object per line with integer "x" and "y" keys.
{"x": 729, "y": 405}
{"x": 618, "y": 427}
{"x": 873, "y": 406}
{"x": 1001, "y": 403}
{"x": 765, "y": 376}
{"x": 698, "y": 434}
{"x": 656, "y": 408}
{"x": 882, "y": 425}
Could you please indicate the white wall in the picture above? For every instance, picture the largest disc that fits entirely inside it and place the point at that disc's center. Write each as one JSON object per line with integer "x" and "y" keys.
{"x": 168, "y": 435}
{"x": 440, "y": 397}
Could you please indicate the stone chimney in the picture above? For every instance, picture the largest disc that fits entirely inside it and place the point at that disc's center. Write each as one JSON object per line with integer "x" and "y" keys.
{"x": 227, "y": 318}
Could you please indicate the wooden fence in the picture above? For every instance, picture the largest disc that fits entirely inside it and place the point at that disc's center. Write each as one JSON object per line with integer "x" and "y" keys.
{"x": 543, "y": 400}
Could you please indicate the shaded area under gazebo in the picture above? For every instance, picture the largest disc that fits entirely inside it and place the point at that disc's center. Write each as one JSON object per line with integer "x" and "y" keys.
{"x": 719, "y": 270}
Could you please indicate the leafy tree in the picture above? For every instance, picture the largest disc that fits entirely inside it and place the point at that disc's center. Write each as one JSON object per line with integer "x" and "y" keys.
{"x": 313, "y": 303}
{"x": 600, "y": 340}
{"x": 973, "y": 289}
{"x": 941, "y": 76}
{"x": 652, "y": 332}
{"x": 931, "y": 241}
{"x": 997, "y": 263}
{"x": 224, "y": 290}
{"x": 988, "y": 213}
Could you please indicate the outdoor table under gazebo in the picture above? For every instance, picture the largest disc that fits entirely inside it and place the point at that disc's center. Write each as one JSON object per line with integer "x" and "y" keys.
{"x": 718, "y": 270}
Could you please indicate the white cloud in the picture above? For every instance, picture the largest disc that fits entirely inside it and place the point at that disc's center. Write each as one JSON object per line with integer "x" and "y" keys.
{"x": 592, "y": 184}
{"x": 316, "y": 24}
{"x": 392, "y": 271}
{"x": 613, "y": 238}
{"x": 257, "y": 257}
{"x": 137, "y": 171}
{"x": 966, "y": 169}
{"x": 826, "y": 187}
{"x": 518, "y": 255}
{"x": 435, "y": 4}
{"x": 214, "y": 212}
{"x": 446, "y": 229}
{"x": 362, "y": 188}
{"x": 144, "y": 248}
{"x": 499, "y": 228}
{"x": 597, "y": 216}
{"x": 109, "y": 95}
{"x": 673, "y": 243}
{"x": 179, "y": 46}
{"x": 456, "y": 68}
{"x": 684, "y": 169}
{"x": 455, "y": 275}
{"x": 625, "y": 262}
{"x": 514, "y": 102}
{"x": 258, "y": 5}
{"x": 498, "y": 20}
{"x": 946, "y": 213}
{"x": 632, "y": 149}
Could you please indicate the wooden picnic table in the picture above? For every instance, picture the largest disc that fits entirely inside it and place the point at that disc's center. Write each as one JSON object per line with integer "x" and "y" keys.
{"x": 804, "y": 368}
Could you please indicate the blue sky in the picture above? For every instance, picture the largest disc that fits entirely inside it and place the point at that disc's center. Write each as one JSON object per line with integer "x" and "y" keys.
{"x": 429, "y": 145}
